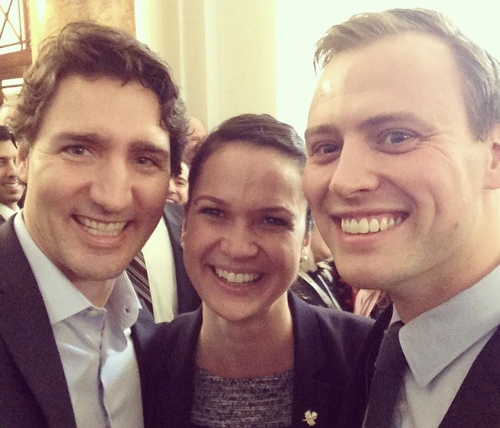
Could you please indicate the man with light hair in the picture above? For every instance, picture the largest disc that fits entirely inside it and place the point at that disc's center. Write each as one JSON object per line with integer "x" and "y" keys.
{"x": 403, "y": 178}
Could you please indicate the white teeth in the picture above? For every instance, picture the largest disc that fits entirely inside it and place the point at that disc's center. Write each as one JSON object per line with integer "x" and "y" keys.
{"x": 366, "y": 225}
{"x": 374, "y": 226}
{"x": 236, "y": 278}
{"x": 363, "y": 226}
{"x": 383, "y": 225}
{"x": 100, "y": 228}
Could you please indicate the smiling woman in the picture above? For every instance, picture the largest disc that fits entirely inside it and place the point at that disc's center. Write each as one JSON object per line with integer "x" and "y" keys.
{"x": 250, "y": 355}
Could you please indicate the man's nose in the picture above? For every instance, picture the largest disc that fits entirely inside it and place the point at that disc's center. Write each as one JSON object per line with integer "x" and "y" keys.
{"x": 355, "y": 170}
{"x": 112, "y": 185}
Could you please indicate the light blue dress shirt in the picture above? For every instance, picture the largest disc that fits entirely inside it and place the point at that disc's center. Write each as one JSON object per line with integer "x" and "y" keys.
{"x": 94, "y": 343}
{"x": 440, "y": 346}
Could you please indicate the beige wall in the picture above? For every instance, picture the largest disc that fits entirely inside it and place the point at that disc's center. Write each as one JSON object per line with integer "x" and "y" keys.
{"x": 48, "y": 16}
{"x": 223, "y": 52}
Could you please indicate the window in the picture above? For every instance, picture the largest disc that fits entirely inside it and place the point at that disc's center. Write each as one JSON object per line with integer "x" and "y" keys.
{"x": 15, "y": 48}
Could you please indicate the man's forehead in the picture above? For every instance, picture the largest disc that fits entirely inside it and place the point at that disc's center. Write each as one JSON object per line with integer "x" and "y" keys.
{"x": 391, "y": 61}
{"x": 404, "y": 48}
{"x": 408, "y": 75}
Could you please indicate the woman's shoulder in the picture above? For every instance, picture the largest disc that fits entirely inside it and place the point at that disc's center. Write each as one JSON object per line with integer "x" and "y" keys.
{"x": 337, "y": 328}
{"x": 343, "y": 319}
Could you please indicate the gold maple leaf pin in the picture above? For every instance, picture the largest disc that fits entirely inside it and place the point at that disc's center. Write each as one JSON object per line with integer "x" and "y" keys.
{"x": 310, "y": 418}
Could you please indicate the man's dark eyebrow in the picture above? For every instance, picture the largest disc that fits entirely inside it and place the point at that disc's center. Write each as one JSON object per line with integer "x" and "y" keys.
{"x": 149, "y": 147}
{"x": 92, "y": 137}
{"x": 79, "y": 137}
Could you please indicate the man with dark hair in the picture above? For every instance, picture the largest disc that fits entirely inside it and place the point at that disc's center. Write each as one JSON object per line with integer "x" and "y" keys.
{"x": 100, "y": 127}
{"x": 11, "y": 188}
{"x": 403, "y": 177}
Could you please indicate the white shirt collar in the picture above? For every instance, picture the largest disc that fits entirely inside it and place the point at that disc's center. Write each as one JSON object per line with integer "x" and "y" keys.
{"x": 7, "y": 212}
{"x": 62, "y": 299}
{"x": 437, "y": 337}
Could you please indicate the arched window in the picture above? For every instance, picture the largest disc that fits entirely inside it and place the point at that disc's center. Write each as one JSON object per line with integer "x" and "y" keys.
{"x": 15, "y": 47}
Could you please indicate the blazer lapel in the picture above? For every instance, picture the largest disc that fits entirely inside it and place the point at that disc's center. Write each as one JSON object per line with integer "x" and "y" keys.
{"x": 173, "y": 382}
{"x": 142, "y": 333}
{"x": 26, "y": 331}
{"x": 356, "y": 400}
{"x": 312, "y": 392}
{"x": 477, "y": 403}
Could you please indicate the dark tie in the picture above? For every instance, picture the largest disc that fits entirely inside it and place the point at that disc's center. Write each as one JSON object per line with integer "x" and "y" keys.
{"x": 139, "y": 276}
{"x": 387, "y": 380}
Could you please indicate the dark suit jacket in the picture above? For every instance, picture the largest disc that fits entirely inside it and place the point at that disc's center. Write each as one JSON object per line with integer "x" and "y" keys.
{"x": 326, "y": 342}
{"x": 477, "y": 403}
{"x": 188, "y": 299}
{"x": 2, "y": 220}
{"x": 33, "y": 390}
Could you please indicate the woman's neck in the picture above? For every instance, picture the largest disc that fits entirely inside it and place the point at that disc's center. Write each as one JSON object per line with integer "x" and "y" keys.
{"x": 248, "y": 348}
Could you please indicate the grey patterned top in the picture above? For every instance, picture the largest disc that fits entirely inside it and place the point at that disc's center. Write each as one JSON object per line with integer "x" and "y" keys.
{"x": 242, "y": 403}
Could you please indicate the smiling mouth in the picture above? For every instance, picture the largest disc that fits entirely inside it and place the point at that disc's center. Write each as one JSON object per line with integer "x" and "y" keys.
{"x": 101, "y": 228}
{"x": 237, "y": 278}
{"x": 366, "y": 225}
{"x": 13, "y": 184}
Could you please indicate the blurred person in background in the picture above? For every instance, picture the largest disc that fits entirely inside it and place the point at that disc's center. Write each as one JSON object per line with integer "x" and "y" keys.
{"x": 11, "y": 187}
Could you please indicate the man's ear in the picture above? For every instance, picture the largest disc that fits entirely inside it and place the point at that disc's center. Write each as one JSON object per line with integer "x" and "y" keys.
{"x": 22, "y": 161}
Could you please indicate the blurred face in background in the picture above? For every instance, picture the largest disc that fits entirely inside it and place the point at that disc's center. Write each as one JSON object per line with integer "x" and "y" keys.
{"x": 11, "y": 188}
{"x": 178, "y": 186}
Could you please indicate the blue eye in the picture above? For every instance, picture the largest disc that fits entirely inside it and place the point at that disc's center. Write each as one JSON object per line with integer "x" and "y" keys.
{"x": 398, "y": 137}
{"x": 328, "y": 148}
{"x": 325, "y": 152}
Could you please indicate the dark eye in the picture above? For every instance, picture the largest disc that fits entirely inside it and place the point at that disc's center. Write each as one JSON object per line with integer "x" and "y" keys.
{"x": 210, "y": 211}
{"x": 274, "y": 221}
{"x": 76, "y": 150}
{"x": 143, "y": 160}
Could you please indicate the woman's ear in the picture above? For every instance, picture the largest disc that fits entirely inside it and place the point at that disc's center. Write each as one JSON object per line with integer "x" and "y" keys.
{"x": 306, "y": 245}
